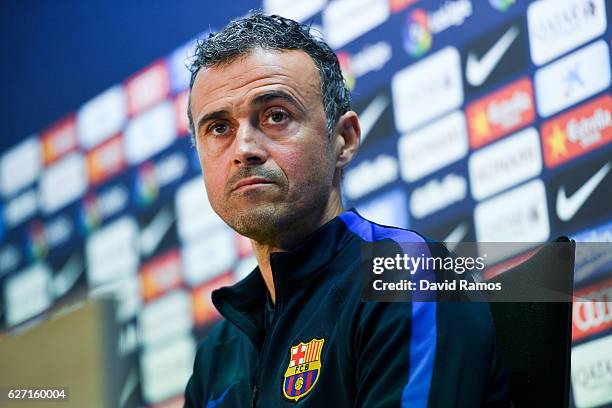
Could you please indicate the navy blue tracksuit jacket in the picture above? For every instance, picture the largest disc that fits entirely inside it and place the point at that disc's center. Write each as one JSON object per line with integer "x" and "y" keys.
{"x": 321, "y": 346}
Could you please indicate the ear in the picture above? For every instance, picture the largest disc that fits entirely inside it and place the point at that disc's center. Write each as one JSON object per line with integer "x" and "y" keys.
{"x": 347, "y": 137}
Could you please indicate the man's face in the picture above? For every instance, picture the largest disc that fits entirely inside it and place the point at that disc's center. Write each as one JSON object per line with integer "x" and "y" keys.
{"x": 261, "y": 137}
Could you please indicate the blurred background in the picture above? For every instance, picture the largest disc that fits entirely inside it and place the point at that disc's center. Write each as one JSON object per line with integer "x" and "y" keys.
{"x": 483, "y": 120}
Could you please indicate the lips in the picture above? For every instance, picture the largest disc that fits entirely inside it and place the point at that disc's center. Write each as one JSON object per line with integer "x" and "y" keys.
{"x": 251, "y": 181}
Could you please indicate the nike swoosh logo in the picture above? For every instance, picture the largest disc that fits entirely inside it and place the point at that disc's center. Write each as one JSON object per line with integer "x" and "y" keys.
{"x": 455, "y": 236}
{"x": 214, "y": 403}
{"x": 152, "y": 235}
{"x": 477, "y": 71}
{"x": 370, "y": 115}
{"x": 67, "y": 276}
{"x": 567, "y": 207}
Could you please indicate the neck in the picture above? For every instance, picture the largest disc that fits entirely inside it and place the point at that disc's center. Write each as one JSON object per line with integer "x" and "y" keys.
{"x": 263, "y": 250}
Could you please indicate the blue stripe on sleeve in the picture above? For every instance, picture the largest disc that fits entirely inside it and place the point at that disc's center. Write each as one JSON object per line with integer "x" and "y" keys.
{"x": 423, "y": 337}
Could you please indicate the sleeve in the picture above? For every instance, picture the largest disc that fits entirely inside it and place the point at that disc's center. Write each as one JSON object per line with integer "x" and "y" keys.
{"x": 428, "y": 354}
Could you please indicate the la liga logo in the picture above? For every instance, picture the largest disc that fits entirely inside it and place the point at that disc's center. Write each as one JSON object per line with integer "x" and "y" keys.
{"x": 501, "y": 5}
{"x": 146, "y": 185}
{"x": 416, "y": 33}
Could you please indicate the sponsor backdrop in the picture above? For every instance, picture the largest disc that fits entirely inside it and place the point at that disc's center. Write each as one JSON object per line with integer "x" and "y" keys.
{"x": 482, "y": 121}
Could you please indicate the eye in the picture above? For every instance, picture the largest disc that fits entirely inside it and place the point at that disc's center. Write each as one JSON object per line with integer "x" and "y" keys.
{"x": 218, "y": 128}
{"x": 276, "y": 117}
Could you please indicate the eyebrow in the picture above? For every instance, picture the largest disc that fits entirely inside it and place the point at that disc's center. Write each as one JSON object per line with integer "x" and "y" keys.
{"x": 258, "y": 100}
{"x": 271, "y": 95}
{"x": 211, "y": 116}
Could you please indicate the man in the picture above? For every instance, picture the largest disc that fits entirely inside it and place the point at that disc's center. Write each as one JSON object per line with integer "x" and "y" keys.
{"x": 273, "y": 129}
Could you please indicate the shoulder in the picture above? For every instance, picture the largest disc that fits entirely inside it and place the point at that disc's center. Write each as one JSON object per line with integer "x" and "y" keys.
{"x": 370, "y": 231}
{"x": 469, "y": 319}
{"x": 220, "y": 333}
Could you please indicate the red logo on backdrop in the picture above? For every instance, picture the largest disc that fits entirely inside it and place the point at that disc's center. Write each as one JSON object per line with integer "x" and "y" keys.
{"x": 147, "y": 87}
{"x": 592, "y": 314}
{"x": 180, "y": 107}
{"x": 577, "y": 132}
{"x": 203, "y": 309}
{"x": 399, "y": 5}
{"x": 59, "y": 139}
{"x": 106, "y": 160}
{"x": 244, "y": 245}
{"x": 500, "y": 113}
{"x": 346, "y": 66}
{"x": 160, "y": 275}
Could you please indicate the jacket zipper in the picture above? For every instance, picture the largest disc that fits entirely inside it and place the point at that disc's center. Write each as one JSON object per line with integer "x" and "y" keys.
{"x": 264, "y": 352}
{"x": 254, "y": 395}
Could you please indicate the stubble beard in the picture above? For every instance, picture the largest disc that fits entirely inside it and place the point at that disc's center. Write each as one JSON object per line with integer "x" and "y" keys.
{"x": 278, "y": 222}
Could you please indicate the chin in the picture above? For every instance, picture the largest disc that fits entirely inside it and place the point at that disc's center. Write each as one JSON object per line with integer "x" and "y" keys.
{"x": 258, "y": 222}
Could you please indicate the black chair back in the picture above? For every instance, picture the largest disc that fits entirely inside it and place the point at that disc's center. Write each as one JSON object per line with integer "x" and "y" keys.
{"x": 535, "y": 336}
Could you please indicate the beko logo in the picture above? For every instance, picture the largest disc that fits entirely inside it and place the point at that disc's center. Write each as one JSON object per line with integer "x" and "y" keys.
{"x": 437, "y": 194}
{"x": 433, "y": 147}
{"x": 427, "y": 89}
{"x": 370, "y": 175}
{"x": 556, "y": 27}
{"x": 150, "y": 132}
{"x": 519, "y": 215}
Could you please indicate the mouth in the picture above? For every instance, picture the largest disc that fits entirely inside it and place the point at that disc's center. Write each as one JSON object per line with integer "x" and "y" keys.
{"x": 251, "y": 182}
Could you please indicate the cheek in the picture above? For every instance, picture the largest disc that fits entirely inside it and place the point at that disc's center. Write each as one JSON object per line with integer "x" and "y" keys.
{"x": 214, "y": 180}
{"x": 306, "y": 165}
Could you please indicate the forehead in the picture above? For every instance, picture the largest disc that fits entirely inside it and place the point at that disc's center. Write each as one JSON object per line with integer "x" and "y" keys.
{"x": 292, "y": 71}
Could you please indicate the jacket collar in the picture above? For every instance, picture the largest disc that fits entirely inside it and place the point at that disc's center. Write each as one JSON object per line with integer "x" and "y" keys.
{"x": 244, "y": 303}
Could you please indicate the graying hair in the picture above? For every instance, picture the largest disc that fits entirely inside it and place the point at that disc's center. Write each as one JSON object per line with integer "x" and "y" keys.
{"x": 274, "y": 33}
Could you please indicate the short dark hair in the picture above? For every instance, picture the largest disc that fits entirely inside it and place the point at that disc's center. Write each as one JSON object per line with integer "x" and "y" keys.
{"x": 274, "y": 33}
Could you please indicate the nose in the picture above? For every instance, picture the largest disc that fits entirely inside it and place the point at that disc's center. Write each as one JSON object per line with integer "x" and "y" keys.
{"x": 248, "y": 149}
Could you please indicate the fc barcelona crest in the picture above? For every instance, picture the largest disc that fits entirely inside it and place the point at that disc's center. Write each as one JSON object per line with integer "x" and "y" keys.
{"x": 304, "y": 369}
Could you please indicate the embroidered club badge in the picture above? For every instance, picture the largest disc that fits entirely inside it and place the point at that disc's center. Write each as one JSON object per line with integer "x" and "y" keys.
{"x": 303, "y": 370}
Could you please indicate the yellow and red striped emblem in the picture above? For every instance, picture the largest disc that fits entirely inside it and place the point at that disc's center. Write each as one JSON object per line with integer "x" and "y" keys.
{"x": 303, "y": 370}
